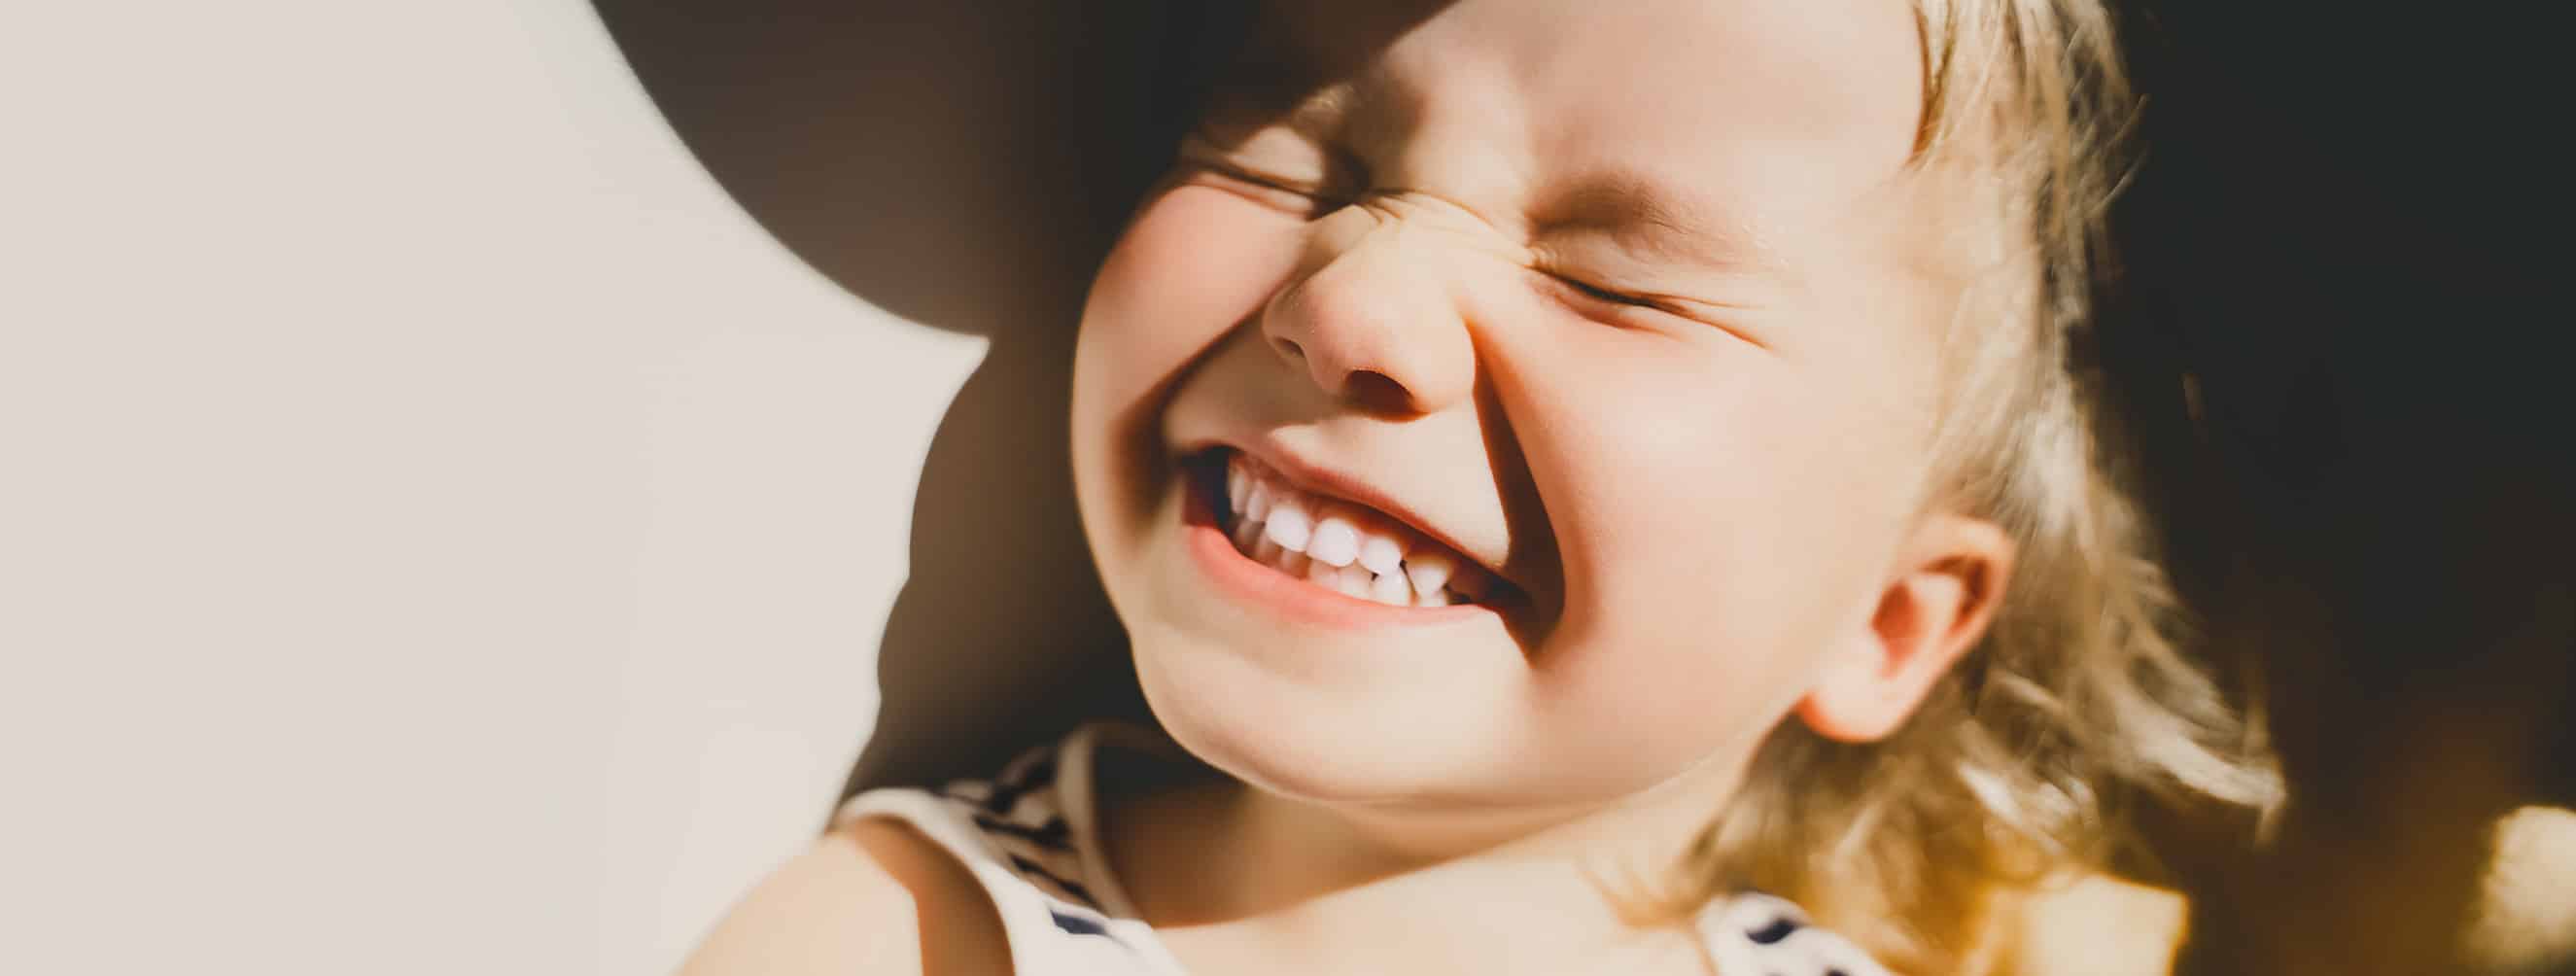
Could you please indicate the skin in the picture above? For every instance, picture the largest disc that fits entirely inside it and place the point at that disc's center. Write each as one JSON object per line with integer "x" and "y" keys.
{"x": 1412, "y": 246}
{"x": 1693, "y": 432}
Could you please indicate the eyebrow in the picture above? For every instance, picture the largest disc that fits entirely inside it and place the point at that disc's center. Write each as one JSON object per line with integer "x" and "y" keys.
{"x": 1320, "y": 114}
{"x": 1637, "y": 211}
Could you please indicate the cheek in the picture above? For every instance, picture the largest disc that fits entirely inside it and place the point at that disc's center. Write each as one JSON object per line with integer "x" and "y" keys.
{"x": 1193, "y": 263}
{"x": 1723, "y": 513}
{"x": 1723, "y": 484}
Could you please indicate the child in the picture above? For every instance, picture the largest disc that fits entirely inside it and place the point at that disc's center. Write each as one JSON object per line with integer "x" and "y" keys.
{"x": 1549, "y": 459}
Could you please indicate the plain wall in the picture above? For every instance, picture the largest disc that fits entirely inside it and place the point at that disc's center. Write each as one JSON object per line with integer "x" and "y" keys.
{"x": 439, "y": 530}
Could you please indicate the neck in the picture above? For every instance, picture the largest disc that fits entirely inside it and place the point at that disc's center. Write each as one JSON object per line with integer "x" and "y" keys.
{"x": 1239, "y": 874}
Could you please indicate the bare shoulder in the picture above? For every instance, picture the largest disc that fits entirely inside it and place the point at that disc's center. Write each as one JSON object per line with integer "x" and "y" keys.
{"x": 2097, "y": 924}
{"x": 875, "y": 898}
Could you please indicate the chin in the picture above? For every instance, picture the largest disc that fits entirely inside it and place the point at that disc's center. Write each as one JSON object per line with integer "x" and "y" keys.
{"x": 1331, "y": 715}
{"x": 1301, "y": 689}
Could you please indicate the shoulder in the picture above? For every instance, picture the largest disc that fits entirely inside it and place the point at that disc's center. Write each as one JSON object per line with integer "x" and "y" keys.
{"x": 2096, "y": 923}
{"x": 873, "y": 897}
{"x": 1751, "y": 932}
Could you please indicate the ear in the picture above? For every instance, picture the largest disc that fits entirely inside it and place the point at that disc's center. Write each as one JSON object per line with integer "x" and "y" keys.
{"x": 1948, "y": 580}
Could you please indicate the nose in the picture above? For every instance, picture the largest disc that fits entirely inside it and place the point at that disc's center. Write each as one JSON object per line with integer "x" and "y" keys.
{"x": 1372, "y": 318}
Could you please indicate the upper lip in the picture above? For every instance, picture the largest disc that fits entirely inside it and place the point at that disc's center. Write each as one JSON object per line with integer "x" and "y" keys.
{"x": 1319, "y": 479}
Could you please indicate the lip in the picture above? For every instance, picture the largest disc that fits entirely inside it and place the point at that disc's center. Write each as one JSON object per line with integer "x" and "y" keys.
{"x": 1321, "y": 480}
{"x": 1289, "y": 597}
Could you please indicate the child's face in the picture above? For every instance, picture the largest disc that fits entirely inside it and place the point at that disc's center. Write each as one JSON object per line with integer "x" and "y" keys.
{"x": 1624, "y": 302}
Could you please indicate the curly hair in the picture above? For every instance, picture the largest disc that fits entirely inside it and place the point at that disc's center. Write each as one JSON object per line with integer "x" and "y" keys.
{"x": 2081, "y": 692}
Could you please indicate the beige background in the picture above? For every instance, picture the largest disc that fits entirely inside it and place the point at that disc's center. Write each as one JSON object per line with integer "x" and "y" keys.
{"x": 439, "y": 531}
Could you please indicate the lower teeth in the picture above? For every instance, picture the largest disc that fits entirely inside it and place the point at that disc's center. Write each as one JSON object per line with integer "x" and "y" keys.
{"x": 1392, "y": 589}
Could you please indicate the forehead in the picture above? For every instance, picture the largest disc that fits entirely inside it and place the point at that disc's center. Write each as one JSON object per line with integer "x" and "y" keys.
{"x": 1758, "y": 102}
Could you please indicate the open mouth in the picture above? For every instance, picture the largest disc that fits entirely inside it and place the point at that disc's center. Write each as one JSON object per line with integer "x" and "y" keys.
{"x": 1335, "y": 543}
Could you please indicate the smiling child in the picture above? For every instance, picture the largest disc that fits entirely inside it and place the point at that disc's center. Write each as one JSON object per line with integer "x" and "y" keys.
{"x": 1590, "y": 488}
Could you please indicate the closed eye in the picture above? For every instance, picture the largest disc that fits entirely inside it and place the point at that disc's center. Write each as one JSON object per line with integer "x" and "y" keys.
{"x": 1678, "y": 309}
{"x": 1311, "y": 201}
{"x": 1313, "y": 198}
{"x": 1242, "y": 175}
{"x": 1601, "y": 294}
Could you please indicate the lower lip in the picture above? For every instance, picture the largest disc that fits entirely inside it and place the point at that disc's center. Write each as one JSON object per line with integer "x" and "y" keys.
{"x": 1289, "y": 596}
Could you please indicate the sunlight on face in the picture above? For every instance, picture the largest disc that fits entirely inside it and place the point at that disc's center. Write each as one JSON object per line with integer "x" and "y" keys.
{"x": 1613, "y": 301}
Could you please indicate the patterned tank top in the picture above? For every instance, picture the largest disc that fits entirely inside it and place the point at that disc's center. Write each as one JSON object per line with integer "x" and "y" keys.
{"x": 1031, "y": 839}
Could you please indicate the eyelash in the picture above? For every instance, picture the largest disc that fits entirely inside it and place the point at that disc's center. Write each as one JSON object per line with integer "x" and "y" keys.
{"x": 1316, "y": 193}
{"x": 1600, "y": 294}
{"x": 1319, "y": 200}
{"x": 1332, "y": 192}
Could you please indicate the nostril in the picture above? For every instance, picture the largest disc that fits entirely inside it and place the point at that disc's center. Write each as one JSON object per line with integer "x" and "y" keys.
{"x": 1373, "y": 390}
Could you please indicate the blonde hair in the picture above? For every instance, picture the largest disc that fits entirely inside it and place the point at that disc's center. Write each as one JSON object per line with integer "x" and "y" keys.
{"x": 2015, "y": 765}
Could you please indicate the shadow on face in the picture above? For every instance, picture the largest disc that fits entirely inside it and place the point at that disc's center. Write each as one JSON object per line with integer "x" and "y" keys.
{"x": 964, "y": 167}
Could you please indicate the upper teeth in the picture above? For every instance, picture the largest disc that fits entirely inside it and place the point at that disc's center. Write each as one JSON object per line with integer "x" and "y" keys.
{"x": 1340, "y": 545}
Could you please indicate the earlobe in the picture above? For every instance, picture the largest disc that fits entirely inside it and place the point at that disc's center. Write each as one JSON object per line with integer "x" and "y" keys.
{"x": 1934, "y": 608}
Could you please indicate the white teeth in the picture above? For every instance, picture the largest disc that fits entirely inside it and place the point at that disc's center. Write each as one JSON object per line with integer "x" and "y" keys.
{"x": 1335, "y": 540}
{"x": 1322, "y": 572}
{"x": 1353, "y": 581}
{"x": 1390, "y": 589}
{"x": 1339, "y": 546}
{"x": 1289, "y": 525}
{"x": 1382, "y": 555}
{"x": 1256, "y": 502}
{"x": 1429, "y": 571}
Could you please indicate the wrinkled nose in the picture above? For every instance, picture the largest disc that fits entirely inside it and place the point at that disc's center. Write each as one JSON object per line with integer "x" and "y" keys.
{"x": 1373, "y": 320}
